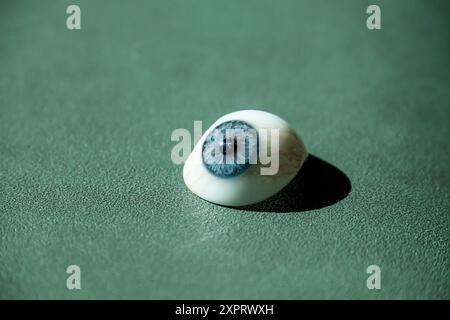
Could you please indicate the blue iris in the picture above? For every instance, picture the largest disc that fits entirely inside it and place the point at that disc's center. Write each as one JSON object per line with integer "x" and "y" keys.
{"x": 230, "y": 149}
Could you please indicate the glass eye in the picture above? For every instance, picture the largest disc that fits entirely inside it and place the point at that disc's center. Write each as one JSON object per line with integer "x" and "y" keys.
{"x": 244, "y": 158}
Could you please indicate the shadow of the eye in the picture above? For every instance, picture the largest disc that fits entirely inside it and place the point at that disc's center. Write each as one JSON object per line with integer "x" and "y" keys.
{"x": 317, "y": 185}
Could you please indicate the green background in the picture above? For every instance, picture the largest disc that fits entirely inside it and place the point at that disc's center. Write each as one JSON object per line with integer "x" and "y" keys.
{"x": 86, "y": 176}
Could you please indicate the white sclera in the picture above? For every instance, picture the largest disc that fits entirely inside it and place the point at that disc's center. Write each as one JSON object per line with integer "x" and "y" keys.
{"x": 249, "y": 187}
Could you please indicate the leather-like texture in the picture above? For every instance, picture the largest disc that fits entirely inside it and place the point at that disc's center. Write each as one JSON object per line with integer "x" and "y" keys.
{"x": 86, "y": 176}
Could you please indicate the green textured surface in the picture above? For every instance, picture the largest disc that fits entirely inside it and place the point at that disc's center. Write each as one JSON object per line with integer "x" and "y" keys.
{"x": 85, "y": 170}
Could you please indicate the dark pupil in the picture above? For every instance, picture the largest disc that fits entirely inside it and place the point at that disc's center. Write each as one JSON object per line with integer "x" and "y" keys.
{"x": 226, "y": 145}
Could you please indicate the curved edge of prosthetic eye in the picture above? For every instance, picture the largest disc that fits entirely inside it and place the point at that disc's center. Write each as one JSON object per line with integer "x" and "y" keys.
{"x": 244, "y": 158}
